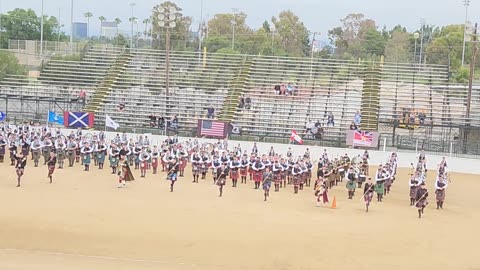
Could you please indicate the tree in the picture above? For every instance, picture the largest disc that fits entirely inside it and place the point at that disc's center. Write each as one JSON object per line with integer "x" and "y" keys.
{"x": 88, "y": 15}
{"x": 101, "y": 19}
{"x": 292, "y": 34}
{"x": 9, "y": 65}
{"x": 180, "y": 34}
{"x": 397, "y": 48}
{"x": 374, "y": 42}
{"x": 117, "y": 22}
{"x": 120, "y": 40}
{"x": 146, "y": 22}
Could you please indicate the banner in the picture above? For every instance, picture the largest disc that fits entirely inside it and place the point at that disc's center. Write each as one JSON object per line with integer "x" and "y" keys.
{"x": 110, "y": 123}
{"x": 211, "y": 128}
{"x": 55, "y": 118}
{"x": 78, "y": 119}
{"x": 295, "y": 137}
{"x": 3, "y": 116}
{"x": 367, "y": 139}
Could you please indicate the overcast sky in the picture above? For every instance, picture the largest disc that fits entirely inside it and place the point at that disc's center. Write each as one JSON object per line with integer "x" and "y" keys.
{"x": 318, "y": 15}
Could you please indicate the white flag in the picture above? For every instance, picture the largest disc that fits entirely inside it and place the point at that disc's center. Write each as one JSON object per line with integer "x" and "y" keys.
{"x": 110, "y": 123}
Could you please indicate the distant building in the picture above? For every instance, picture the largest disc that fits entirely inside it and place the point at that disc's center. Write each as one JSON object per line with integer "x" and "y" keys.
{"x": 80, "y": 30}
{"x": 109, "y": 29}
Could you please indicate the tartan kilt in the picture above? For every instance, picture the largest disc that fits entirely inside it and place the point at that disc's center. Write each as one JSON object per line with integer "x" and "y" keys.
{"x": 220, "y": 181}
{"x": 250, "y": 170}
{"x": 20, "y": 172}
{"x": 2, "y": 151}
{"x": 155, "y": 162}
{"x": 422, "y": 203}
{"x": 51, "y": 169}
{"x": 234, "y": 175}
{"x": 144, "y": 165}
{"x": 243, "y": 171}
{"x": 350, "y": 185}
{"x": 368, "y": 197}
{"x": 440, "y": 195}
{"x": 25, "y": 151}
{"x": 297, "y": 179}
{"x": 183, "y": 164}
{"x": 204, "y": 168}
{"x": 257, "y": 176}
{"x": 283, "y": 175}
{"x": 195, "y": 169}
{"x": 380, "y": 188}
{"x": 413, "y": 192}
{"x": 86, "y": 159}
{"x": 277, "y": 177}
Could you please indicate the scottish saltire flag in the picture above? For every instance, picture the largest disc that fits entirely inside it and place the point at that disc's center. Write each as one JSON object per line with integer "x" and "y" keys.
{"x": 3, "y": 116}
{"x": 55, "y": 118}
{"x": 78, "y": 119}
{"x": 363, "y": 138}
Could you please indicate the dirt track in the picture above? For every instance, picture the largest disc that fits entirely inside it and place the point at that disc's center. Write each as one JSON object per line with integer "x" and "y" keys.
{"x": 83, "y": 221}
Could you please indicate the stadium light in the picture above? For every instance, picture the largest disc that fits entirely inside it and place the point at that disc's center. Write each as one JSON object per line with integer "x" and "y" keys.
{"x": 471, "y": 35}
{"x": 167, "y": 16}
{"x": 132, "y": 19}
{"x": 466, "y": 3}
{"x": 41, "y": 32}
{"x": 234, "y": 24}
{"x": 416, "y": 35}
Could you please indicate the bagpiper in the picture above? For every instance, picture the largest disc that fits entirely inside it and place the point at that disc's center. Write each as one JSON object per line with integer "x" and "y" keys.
{"x": 441, "y": 185}
{"x": 86, "y": 152}
{"x": 60, "y": 148}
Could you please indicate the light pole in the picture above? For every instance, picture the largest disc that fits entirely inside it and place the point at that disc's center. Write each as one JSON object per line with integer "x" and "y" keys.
{"x": 467, "y": 4}
{"x": 311, "y": 54}
{"x": 421, "y": 41}
{"x": 1, "y": 29}
{"x": 41, "y": 32}
{"x": 416, "y": 35}
{"x": 234, "y": 23}
{"x": 167, "y": 15}
{"x": 272, "y": 30}
{"x": 471, "y": 35}
{"x": 132, "y": 5}
{"x": 71, "y": 27}
{"x": 200, "y": 33}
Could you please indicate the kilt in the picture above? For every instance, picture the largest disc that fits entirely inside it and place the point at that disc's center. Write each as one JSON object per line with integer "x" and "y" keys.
{"x": 413, "y": 192}
{"x": 380, "y": 188}
{"x": 266, "y": 185}
{"x": 250, "y": 170}
{"x": 388, "y": 182}
{"x": 243, "y": 171}
{"x": 257, "y": 176}
{"x": 368, "y": 197}
{"x": 155, "y": 162}
{"x": 440, "y": 195}
{"x": 36, "y": 155}
{"x": 195, "y": 169}
{"x": 220, "y": 182}
{"x": 20, "y": 172}
{"x": 25, "y": 151}
{"x": 2, "y": 151}
{"x": 86, "y": 159}
{"x": 172, "y": 176}
{"x": 303, "y": 178}
{"x": 297, "y": 179}
{"x": 322, "y": 196}
{"x": 51, "y": 169}
{"x": 422, "y": 203}
{"x": 277, "y": 177}
{"x": 204, "y": 168}
{"x": 234, "y": 175}
{"x": 77, "y": 151}
{"x": 144, "y": 165}
{"x": 101, "y": 157}
{"x": 113, "y": 161}
{"x": 351, "y": 185}
{"x": 61, "y": 155}
{"x": 183, "y": 163}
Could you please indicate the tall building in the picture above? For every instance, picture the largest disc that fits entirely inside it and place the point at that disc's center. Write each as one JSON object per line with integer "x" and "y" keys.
{"x": 80, "y": 30}
{"x": 109, "y": 29}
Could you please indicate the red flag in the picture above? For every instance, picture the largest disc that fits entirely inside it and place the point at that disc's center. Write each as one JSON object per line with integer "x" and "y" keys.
{"x": 296, "y": 137}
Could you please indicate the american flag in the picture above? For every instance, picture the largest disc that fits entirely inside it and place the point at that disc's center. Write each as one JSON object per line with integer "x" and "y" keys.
{"x": 212, "y": 128}
{"x": 363, "y": 138}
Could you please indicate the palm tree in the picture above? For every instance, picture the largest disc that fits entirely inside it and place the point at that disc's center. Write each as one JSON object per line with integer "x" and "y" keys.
{"x": 117, "y": 22}
{"x": 146, "y": 22}
{"x": 88, "y": 15}
{"x": 102, "y": 19}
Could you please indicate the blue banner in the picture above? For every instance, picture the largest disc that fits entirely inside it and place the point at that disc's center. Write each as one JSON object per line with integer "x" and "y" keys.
{"x": 55, "y": 118}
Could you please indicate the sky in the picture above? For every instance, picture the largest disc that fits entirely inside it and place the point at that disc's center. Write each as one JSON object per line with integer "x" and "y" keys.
{"x": 318, "y": 15}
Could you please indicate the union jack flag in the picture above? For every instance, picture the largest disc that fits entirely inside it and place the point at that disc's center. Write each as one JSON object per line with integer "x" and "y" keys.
{"x": 362, "y": 138}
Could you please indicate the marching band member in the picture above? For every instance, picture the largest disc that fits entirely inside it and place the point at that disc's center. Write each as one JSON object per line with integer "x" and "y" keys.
{"x": 388, "y": 178}
{"x": 51, "y": 165}
{"x": 71, "y": 148}
{"x": 421, "y": 199}
{"x": 86, "y": 152}
{"x": 36, "y": 151}
{"x": 136, "y": 151}
{"x": 113, "y": 157}
{"x": 125, "y": 173}
{"x": 60, "y": 147}
{"x": 277, "y": 170}
{"x": 351, "y": 179}
{"x": 183, "y": 159}
{"x": 380, "y": 183}
{"x": 362, "y": 177}
{"x": 257, "y": 168}
{"x": 234, "y": 166}
{"x": 196, "y": 161}
{"x": 143, "y": 157}
{"x": 413, "y": 184}
{"x": 205, "y": 161}
{"x": 441, "y": 185}
{"x": 297, "y": 174}
{"x": 21, "y": 163}
{"x": 284, "y": 172}
{"x": 222, "y": 173}
{"x": 321, "y": 191}
{"x": 46, "y": 149}
{"x": 267, "y": 182}
{"x": 215, "y": 165}
{"x": 172, "y": 166}
{"x": 101, "y": 150}
{"x": 155, "y": 157}
{"x": 368, "y": 193}
{"x": 3, "y": 146}
{"x": 244, "y": 169}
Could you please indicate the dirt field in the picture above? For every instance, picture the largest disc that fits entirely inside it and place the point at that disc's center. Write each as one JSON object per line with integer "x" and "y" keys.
{"x": 82, "y": 221}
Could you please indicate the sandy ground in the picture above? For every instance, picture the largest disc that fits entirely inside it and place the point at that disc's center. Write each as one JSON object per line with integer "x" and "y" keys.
{"x": 82, "y": 221}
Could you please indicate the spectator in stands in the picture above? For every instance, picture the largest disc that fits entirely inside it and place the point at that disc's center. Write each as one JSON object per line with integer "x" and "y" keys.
{"x": 317, "y": 124}
{"x": 241, "y": 104}
{"x": 277, "y": 89}
{"x": 161, "y": 122}
{"x": 82, "y": 96}
{"x": 412, "y": 118}
{"x": 210, "y": 112}
{"x": 308, "y": 126}
{"x": 421, "y": 118}
{"x": 248, "y": 103}
{"x": 121, "y": 107}
{"x": 174, "y": 123}
{"x": 357, "y": 118}
{"x": 153, "y": 120}
{"x": 289, "y": 89}
{"x": 330, "y": 120}
{"x": 353, "y": 126}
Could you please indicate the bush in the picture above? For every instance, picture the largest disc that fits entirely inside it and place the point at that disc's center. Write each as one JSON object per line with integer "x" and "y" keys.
{"x": 9, "y": 65}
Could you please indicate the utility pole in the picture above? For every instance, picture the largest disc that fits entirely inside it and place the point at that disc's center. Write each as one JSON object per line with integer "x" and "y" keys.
{"x": 234, "y": 23}
{"x": 467, "y": 4}
{"x": 200, "y": 33}
{"x": 71, "y": 27}
{"x": 41, "y": 32}
{"x": 132, "y": 19}
{"x": 472, "y": 36}
{"x": 422, "y": 36}
{"x": 311, "y": 54}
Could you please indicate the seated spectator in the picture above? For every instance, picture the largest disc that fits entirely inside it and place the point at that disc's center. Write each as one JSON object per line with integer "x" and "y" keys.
{"x": 248, "y": 103}
{"x": 353, "y": 126}
{"x": 153, "y": 120}
{"x": 309, "y": 125}
{"x": 317, "y": 124}
{"x": 289, "y": 90}
{"x": 421, "y": 118}
{"x": 358, "y": 118}
{"x": 330, "y": 120}
{"x": 241, "y": 104}
{"x": 210, "y": 112}
{"x": 174, "y": 123}
{"x": 121, "y": 107}
{"x": 412, "y": 118}
{"x": 277, "y": 89}
{"x": 161, "y": 122}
